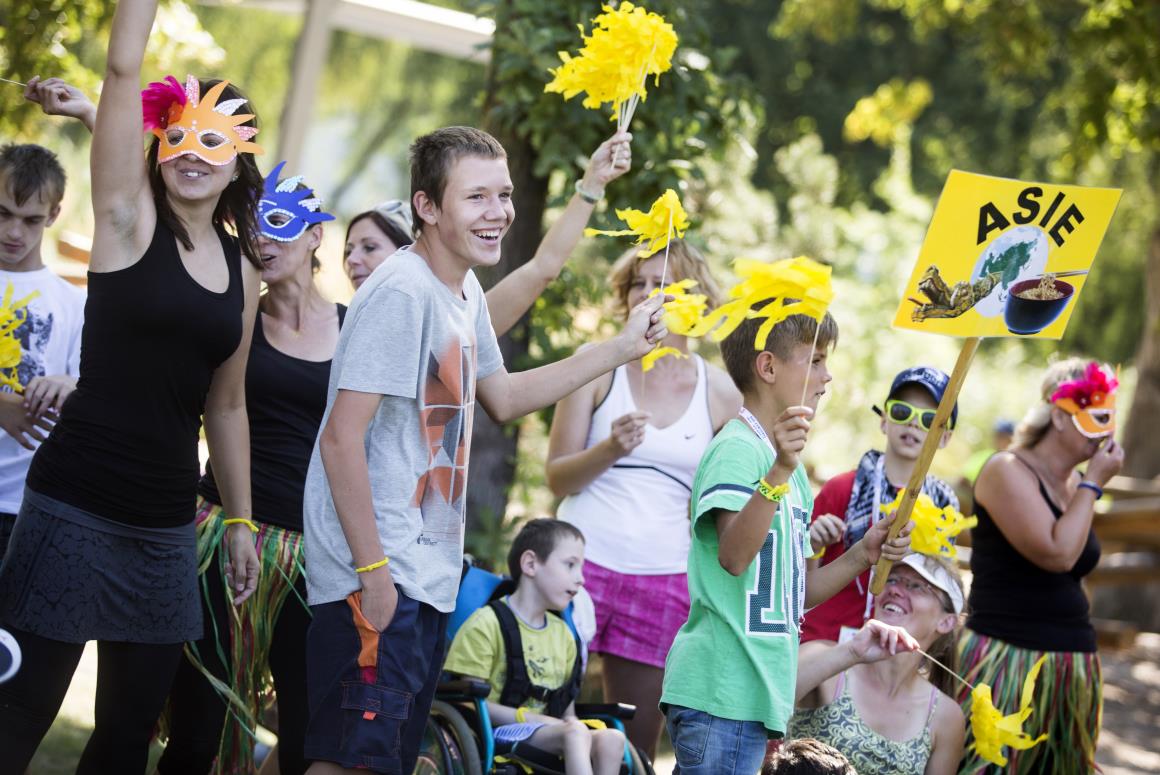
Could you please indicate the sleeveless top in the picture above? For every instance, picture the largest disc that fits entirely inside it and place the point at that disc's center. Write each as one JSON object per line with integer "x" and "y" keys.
{"x": 285, "y": 400}
{"x": 1016, "y": 601}
{"x": 840, "y": 725}
{"x": 125, "y": 448}
{"x": 635, "y": 516}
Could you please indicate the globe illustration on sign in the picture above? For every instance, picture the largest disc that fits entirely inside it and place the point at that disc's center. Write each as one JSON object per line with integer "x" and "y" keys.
{"x": 1015, "y": 255}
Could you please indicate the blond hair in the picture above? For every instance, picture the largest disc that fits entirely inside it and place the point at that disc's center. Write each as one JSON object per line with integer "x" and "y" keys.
{"x": 685, "y": 263}
{"x": 1037, "y": 421}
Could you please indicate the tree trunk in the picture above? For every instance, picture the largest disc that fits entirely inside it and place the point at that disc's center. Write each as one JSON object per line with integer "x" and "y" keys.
{"x": 493, "y": 447}
{"x": 1141, "y": 442}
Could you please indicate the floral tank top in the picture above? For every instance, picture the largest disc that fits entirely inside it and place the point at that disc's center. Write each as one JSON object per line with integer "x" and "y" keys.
{"x": 839, "y": 725}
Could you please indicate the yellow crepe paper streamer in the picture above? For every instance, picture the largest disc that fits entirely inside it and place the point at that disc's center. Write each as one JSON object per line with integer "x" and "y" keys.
{"x": 993, "y": 730}
{"x": 685, "y": 311}
{"x": 12, "y": 316}
{"x": 652, "y": 227}
{"x": 627, "y": 45}
{"x": 802, "y": 279}
{"x": 652, "y": 356}
{"x": 934, "y": 528}
{"x": 681, "y": 315}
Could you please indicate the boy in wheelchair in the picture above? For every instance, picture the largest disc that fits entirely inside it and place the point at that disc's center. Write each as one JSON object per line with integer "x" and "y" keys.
{"x": 532, "y": 700}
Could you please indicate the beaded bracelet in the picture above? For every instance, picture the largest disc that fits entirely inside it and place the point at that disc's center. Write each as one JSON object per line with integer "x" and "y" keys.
{"x": 240, "y": 521}
{"x": 771, "y": 493}
{"x": 373, "y": 565}
{"x": 1099, "y": 491}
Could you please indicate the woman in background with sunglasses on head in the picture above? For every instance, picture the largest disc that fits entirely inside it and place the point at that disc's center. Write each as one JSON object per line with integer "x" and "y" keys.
{"x": 104, "y": 545}
{"x": 373, "y": 236}
{"x": 1033, "y": 545}
{"x": 850, "y": 503}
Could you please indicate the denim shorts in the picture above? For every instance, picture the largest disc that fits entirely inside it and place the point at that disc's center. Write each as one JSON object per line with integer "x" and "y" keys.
{"x": 370, "y": 692}
{"x": 710, "y": 745}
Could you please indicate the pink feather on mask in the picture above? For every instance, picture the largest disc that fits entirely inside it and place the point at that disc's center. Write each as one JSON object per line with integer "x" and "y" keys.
{"x": 158, "y": 100}
{"x": 1084, "y": 391}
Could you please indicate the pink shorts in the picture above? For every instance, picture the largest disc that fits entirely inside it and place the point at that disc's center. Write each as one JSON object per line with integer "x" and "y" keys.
{"x": 637, "y": 617}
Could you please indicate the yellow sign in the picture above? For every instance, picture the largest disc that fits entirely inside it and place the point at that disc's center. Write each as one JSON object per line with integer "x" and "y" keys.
{"x": 1005, "y": 257}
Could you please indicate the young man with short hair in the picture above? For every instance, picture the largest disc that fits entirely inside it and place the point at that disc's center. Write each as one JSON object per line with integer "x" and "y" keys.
{"x": 385, "y": 493}
{"x": 31, "y": 188}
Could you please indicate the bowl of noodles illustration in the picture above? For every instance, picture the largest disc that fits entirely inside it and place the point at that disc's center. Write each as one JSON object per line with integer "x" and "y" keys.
{"x": 1033, "y": 305}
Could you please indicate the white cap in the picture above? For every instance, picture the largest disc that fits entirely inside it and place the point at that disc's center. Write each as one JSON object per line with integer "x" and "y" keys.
{"x": 937, "y": 574}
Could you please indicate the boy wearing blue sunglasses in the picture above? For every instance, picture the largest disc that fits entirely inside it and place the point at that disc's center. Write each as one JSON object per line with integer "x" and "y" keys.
{"x": 848, "y": 504}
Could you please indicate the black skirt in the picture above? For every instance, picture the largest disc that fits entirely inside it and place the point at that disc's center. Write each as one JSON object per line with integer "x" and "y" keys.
{"x": 72, "y": 576}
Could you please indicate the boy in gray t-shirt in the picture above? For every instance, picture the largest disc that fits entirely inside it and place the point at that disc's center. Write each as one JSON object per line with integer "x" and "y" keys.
{"x": 385, "y": 493}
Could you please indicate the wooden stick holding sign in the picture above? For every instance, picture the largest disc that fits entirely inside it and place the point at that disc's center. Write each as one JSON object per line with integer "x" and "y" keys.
{"x": 990, "y": 265}
{"x": 926, "y": 455}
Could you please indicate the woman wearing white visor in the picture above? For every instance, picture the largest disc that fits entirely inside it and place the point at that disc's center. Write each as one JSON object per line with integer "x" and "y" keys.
{"x": 874, "y": 697}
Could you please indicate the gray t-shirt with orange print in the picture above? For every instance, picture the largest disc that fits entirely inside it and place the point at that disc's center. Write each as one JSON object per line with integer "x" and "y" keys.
{"x": 409, "y": 339}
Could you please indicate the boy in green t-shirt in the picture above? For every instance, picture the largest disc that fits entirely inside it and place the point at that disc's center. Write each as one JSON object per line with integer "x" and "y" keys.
{"x": 545, "y": 562}
{"x": 729, "y": 678}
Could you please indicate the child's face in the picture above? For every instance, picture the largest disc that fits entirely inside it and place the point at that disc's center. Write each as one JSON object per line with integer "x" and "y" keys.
{"x": 905, "y": 440}
{"x": 791, "y": 374}
{"x": 476, "y": 212}
{"x": 22, "y": 226}
{"x": 560, "y": 577}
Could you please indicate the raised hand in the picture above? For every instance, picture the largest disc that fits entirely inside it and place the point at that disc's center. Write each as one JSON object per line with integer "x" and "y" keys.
{"x": 608, "y": 162}
{"x": 58, "y": 98}
{"x": 789, "y": 435}
{"x": 645, "y": 326}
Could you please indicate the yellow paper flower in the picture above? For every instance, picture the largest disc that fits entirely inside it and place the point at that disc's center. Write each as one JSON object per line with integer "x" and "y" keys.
{"x": 665, "y": 220}
{"x": 626, "y": 46}
{"x": 650, "y": 359}
{"x": 802, "y": 279}
{"x": 993, "y": 730}
{"x": 12, "y": 316}
{"x": 934, "y": 528}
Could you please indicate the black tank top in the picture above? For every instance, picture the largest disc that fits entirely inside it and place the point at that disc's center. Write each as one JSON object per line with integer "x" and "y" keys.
{"x": 1016, "y": 601}
{"x": 285, "y": 400}
{"x": 125, "y": 448}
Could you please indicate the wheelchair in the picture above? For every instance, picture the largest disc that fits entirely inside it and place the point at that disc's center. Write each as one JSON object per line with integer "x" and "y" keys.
{"x": 458, "y": 738}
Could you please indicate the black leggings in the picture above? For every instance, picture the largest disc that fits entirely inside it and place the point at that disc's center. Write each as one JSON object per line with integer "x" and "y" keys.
{"x": 132, "y": 682}
{"x": 197, "y": 712}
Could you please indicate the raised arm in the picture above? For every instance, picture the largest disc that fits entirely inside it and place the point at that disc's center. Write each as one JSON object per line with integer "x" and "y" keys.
{"x": 505, "y": 396}
{"x": 1009, "y": 492}
{"x": 514, "y": 294}
{"x": 227, "y": 432}
{"x": 120, "y": 182}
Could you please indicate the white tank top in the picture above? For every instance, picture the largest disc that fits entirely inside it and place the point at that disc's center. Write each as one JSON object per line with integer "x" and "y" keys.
{"x": 635, "y": 516}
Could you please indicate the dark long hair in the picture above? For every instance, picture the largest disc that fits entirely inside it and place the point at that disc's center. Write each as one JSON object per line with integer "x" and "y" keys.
{"x": 237, "y": 206}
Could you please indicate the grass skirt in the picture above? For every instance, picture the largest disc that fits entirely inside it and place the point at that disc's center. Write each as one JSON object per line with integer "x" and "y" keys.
{"x": 243, "y": 642}
{"x": 1067, "y": 704}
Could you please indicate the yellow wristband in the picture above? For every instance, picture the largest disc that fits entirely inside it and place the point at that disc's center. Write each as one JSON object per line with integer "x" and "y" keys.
{"x": 521, "y": 715}
{"x": 240, "y": 521}
{"x": 373, "y": 565}
{"x": 771, "y": 493}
